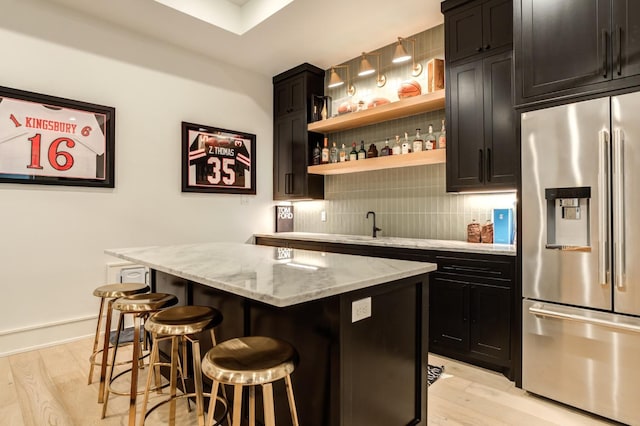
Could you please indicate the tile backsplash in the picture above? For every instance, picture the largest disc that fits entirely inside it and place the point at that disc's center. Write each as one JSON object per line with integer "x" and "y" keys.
{"x": 409, "y": 202}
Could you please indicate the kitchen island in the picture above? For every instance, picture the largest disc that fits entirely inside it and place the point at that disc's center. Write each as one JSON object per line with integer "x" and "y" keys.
{"x": 359, "y": 323}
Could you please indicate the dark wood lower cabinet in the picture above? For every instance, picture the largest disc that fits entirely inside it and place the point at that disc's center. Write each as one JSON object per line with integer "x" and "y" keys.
{"x": 472, "y": 301}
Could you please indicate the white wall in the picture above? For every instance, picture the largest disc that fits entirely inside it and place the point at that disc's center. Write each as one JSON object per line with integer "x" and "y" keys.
{"x": 52, "y": 237}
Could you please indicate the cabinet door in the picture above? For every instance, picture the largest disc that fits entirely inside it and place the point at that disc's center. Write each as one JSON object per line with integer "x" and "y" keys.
{"x": 289, "y": 96}
{"x": 499, "y": 123}
{"x": 448, "y": 324}
{"x": 464, "y": 33}
{"x": 289, "y": 168}
{"x": 465, "y": 147}
{"x": 564, "y": 44}
{"x": 626, "y": 38}
{"x": 490, "y": 322}
{"x": 497, "y": 24}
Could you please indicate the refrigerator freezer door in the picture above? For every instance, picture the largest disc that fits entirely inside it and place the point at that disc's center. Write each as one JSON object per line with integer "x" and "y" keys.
{"x": 563, "y": 147}
{"x": 583, "y": 358}
{"x": 626, "y": 202}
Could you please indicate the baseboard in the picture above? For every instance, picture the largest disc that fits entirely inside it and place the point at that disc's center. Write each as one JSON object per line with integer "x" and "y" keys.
{"x": 40, "y": 336}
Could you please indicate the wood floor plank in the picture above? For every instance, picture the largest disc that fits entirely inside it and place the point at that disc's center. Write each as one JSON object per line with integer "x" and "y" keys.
{"x": 10, "y": 413}
{"x": 39, "y": 399}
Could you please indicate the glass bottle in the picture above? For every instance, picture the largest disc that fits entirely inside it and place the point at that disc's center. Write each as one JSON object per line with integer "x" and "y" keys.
{"x": 373, "y": 151}
{"x": 386, "y": 149}
{"x": 342, "y": 155}
{"x": 362, "y": 154}
{"x": 406, "y": 146}
{"x": 353, "y": 155}
{"x": 397, "y": 149}
{"x": 333, "y": 153}
{"x": 417, "y": 142}
{"x": 325, "y": 152}
{"x": 442, "y": 139}
{"x": 315, "y": 160}
{"x": 430, "y": 139}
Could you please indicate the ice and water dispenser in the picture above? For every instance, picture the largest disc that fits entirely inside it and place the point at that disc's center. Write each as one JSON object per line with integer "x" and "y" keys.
{"x": 568, "y": 213}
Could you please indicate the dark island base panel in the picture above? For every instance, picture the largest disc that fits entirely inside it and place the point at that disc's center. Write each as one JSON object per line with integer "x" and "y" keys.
{"x": 372, "y": 372}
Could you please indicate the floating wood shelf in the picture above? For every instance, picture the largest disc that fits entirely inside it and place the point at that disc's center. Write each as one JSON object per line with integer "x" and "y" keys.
{"x": 402, "y": 108}
{"x": 435, "y": 156}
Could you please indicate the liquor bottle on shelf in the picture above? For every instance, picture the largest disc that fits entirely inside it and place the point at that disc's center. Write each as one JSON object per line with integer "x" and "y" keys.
{"x": 373, "y": 151}
{"x": 386, "y": 149}
{"x": 417, "y": 142}
{"x": 333, "y": 153}
{"x": 353, "y": 155}
{"x": 397, "y": 149}
{"x": 325, "y": 152}
{"x": 442, "y": 139}
{"x": 362, "y": 154}
{"x": 406, "y": 146}
{"x": 315, "y": 160}
{"x": 342, "y": 155}
{"x": 431, "y": 139}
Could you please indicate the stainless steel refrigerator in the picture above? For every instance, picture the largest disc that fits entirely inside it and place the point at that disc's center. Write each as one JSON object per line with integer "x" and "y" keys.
{"x": 581, "y": 255}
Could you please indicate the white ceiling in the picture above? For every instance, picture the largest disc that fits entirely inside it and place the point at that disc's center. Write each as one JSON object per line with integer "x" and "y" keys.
{"x": 321, "y": 32}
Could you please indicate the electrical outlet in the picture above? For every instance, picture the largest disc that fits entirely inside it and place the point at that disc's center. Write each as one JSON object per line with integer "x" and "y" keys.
{"x": 323, "y": 215}
{"x": 360, "y": 309}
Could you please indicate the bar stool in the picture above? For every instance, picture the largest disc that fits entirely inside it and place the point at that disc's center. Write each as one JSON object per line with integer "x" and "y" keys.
{"x": 252, "y": 361}
{"x": 180, "y": 323}
{"x": 108, "y": 293}
{"x": 139, "y": 306}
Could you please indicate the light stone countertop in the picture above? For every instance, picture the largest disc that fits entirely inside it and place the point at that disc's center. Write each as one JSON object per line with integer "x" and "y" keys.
{"x": 279, "y": 277}
{"x": 412, "y": 243}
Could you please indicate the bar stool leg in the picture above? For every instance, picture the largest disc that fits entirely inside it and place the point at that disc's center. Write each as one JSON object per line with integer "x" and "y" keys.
{"x": 105, "y": 393}
{"x": 212, "y": 403}
{"x": 237, "y": 404}
{"x": 153, "y": 371}
{"x": 252, "y": 405}
{"x": 267, "y": 401}
{"x": 134, "y": 370}
{"x": 197, "y": 377}
{"x": 105, "y": 351}
{"x": 96, "y": 339}
{"x": 173, "y": 379}
{"x": 292, "y": 402}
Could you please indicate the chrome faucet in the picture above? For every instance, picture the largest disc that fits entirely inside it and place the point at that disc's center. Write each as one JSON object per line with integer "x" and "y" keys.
{"x": 375, "y": 228}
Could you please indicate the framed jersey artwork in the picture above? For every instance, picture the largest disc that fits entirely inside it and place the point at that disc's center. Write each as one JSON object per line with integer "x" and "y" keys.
{"x": 55, "y": 141}
{"x": 217, "y": 160}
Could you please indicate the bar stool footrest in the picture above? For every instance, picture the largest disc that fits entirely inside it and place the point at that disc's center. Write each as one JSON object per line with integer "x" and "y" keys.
{"x": 192, "y": 395}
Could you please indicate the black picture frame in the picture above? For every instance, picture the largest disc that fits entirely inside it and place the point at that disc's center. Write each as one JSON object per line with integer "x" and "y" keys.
{"x": 217, "y": 160}
{"x": 49, "y": 140}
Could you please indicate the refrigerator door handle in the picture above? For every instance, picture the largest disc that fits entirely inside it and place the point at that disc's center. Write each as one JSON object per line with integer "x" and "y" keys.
{"x": 539, "y": 310}
{"x": 618, "y": 208}
{"x": 603, "y": 205}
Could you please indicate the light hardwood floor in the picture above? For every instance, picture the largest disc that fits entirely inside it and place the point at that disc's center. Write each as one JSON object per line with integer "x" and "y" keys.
{"x": 49, "y": 387}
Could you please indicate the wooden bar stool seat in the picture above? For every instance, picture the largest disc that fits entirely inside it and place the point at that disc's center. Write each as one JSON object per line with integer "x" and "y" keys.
{"x": 108, "y": 293}
{"x": 140, "y": 307}
{"x": 180, "y": 323}
{"x": 252, "y": 361}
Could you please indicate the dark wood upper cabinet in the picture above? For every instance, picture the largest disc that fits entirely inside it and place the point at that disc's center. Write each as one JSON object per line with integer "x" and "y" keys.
{"x": 481, "y": 130}
{"x": 477, "y": 28}
{"x": 482, "y": 133}
{"x": 292, "y": 143}
{"x": 566, "y": 48}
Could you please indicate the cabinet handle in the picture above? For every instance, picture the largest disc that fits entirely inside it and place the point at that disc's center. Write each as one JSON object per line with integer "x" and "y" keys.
{"x": 488, "y": 164}
{"x": 479, "y": 49}
{"x": 619, "y": 50}
{"x": 480, "y": 166}
{"x": 487, "y": 47}
{"x": 604, "y": 53}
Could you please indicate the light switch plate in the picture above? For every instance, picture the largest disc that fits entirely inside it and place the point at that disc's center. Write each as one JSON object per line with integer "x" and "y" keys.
{"x": 323, "y": 215}
{"x": 360, "y": 309}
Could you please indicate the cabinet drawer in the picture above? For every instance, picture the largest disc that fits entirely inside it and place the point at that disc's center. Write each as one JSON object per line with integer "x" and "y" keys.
{"x": 476, "y": 268}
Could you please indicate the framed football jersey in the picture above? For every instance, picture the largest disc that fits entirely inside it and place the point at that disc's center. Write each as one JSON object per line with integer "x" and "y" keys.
{"x": 217, "y": 160}
{"x": 55, "y": 141}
